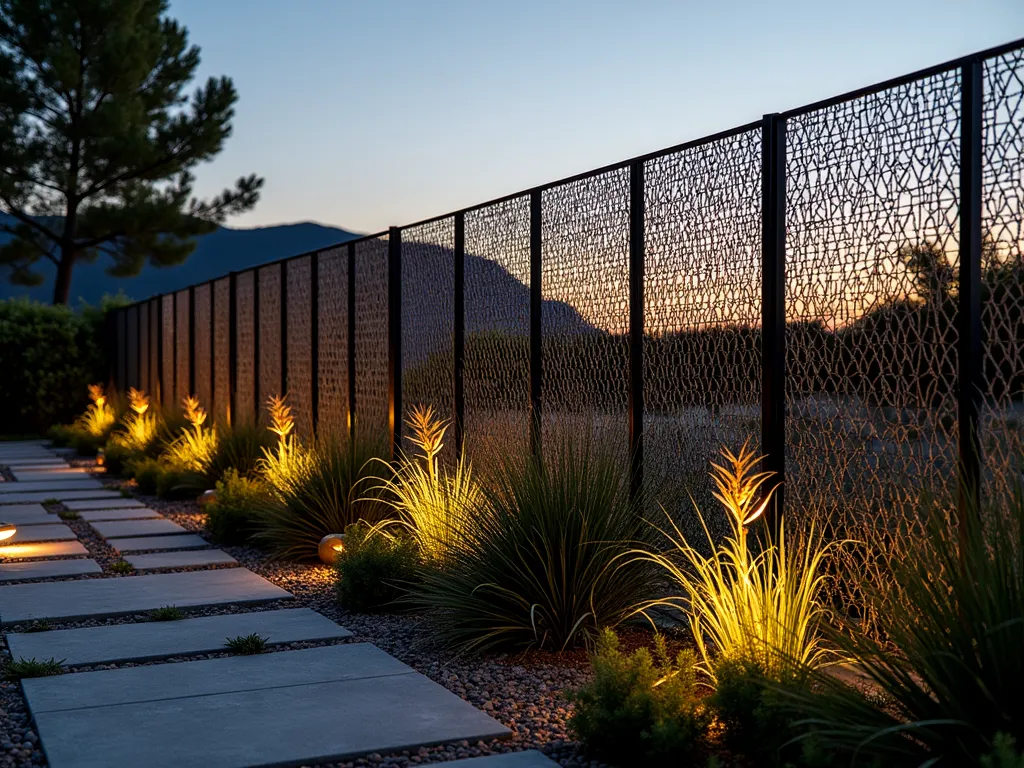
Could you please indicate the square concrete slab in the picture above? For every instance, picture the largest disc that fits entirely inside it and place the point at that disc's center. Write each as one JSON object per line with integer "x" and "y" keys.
{"x": 123, "y": 529}
{"x": 159, "y": 543}
{"x": 78, "y": 484}
{"x": 27, "y": 514}
{"x": 288, "y": 708}
{"x": 531, "y": 758}
{"x": 163, "y": 561}
{"x": 47, "y": 569}
{"x": 117, "y": 597}
{"x": 132, "y": 513}
{"x": 42, "y": 550}
{"x": 118, "y": 502}
{"x": 53, "y": 463}
{"x": 151, "y": 640}
{"x": 55, "y": 473}
{"x": 61, "y": 496}
{"x": 55, "y": 531}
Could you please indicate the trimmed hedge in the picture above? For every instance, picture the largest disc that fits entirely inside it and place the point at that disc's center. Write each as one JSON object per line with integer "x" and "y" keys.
{"x": 49, "y": 355}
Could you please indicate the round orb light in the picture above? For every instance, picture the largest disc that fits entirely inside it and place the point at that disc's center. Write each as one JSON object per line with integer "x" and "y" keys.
{"x": 7, "y": 530}
{"x": 330, "y": 547}
{"x": 101, "y": 458}
{"x": 207, "y": 497}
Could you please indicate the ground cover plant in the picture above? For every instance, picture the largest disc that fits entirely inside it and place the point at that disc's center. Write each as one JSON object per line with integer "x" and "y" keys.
{"x": 167, "y": 613}
{"x": 247, "y": 645}
{"x": 544, "y": 563}
{"x": 374, "y": 568}
{"x": 20, "y": 669}
{"x": 234, "y": 514}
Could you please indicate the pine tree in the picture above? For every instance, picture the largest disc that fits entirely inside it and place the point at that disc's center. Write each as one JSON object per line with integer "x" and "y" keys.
{"x": 98, "y": 138}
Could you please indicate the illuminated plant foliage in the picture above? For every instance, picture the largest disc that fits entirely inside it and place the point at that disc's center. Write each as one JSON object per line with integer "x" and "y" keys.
{"x": 760, "y": 606}
{"x": 288, "y": 464}
{"x": 434, "y": 504}
{"x": 195, "y": 449}
{"x": 99, "y": 416}
{"x": 140, "y": 426}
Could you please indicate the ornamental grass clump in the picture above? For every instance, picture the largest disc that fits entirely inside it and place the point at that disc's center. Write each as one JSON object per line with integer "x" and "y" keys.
{"x": 943, "y": 684}
{"x": 757, "y": 603}
{"x": 195, "y": 448}
{"x": 543, "y": 562}
{"x": 434, "y": 504}
{"x": 140, "y": 428}
{"x": 99, "y": 417}
{"x": 334, "y": 491}
{"x": 287, "y": 465}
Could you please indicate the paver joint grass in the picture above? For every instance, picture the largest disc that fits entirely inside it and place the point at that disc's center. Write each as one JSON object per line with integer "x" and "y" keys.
{"x": 121, "y": 566}
{"x": 38, "y": 626}
{"x": 19, "y": 669}
{"x": 68, "y": 514}
{"x": 247, "y": 645}
{"x": 167, "y": 613}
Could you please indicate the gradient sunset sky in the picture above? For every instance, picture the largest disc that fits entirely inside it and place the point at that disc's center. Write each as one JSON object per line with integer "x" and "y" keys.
{"x": 367, "y": 114}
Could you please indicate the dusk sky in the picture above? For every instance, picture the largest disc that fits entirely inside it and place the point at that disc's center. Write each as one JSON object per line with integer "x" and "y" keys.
{"x": 367, "y": 114}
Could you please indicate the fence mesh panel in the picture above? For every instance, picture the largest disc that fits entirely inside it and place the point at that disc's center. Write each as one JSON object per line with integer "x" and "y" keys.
{"x": 203, "y": 318}
{"x": 245, "y": 366}
{"x": 167, "y": 329}
{"x": 870, "y": 301}
{"x": 333, "y": 342}
{"x": 428, "y": 320}
{"x": 300, "y": 339}
{"x": 702, "y": 307}
{"x": 182, "y": 320}
{"x": 1002, "y": 308}
{"x": 221, "y": 347}
{"x": 270, "y": 335}
{"x": 132, "y": 348}
{"x": 120, "y": 358}
{"x": 145, "y": 382}
{"x": 496, "y": 376}
{"x": 585, "y": 316}
{"x": 371, "y": 370}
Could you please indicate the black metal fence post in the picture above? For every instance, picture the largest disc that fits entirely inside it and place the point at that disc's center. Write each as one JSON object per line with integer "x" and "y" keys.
{"x": 636, "y": 326}
{"x": 350, "y": 305}
{"x": 256, "y": 344}
{"x": 192, "y": 340}
{"x": 459, "y": 333}
{"x": 773, "y": 306}
{"x": 536, "y": 323}
{"x": 232, "y": 347}
{"x": 971, "y": 376}
{"x": 314, "y": 342}
{"x": 395, "y": 340}
{"x": 284, "y": 328}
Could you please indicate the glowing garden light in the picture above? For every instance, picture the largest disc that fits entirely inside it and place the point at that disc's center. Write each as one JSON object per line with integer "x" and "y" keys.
{"x": 331, "y": 546}
{"x": 7, "y": 530}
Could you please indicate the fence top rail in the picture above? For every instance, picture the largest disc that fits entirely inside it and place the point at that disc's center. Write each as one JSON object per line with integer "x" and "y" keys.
{"x": 691, "y": 144}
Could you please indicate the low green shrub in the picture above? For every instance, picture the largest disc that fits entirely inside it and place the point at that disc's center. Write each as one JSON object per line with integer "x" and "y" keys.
{"x": 121, "y": 566}
{"x": 60, "y": 435}
{"x": 240, "y": 448}
{"x": 117, "y": 457}
{"x": 20, "y": 669}
{"x": 945, "y": 680}
{"x": 336, "y": 491}
{"x": 234, "y": 516}
{"x": 374, "y": 568}
{"x": 68, "y": 514}
{"x": 177, "y": 483}
{"x": 167, "y": 613}
{"x": 544, "y": 563}
{"x": 641, "y": 709}
{"x": 147, "y": 475}
{"x": 1004, "y": 753}
{"x": 247, "y": 645}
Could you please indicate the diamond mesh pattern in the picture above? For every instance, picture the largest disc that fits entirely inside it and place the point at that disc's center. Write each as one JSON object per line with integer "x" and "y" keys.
{"x": 333, "y": 342}
{"x": 496, "y": 376}
{"x": 155, "y": 385}
{"x": 871, "y": 339}
{"x": 221, "y": 347}
{"x": 702, "y": 306}
{"x": 167, "y": 385}
{"x": 372, "y": 337}
{"x": 1002, "y": 419}
{"x": 121, "y": 360}
{"x": 143, "y": 350}
{"x": 428, "y": 319}
{"x": 202, "y": 318}
{"x": 132, "y": 352}
{"x": 245, "y": 404}
{"x": 270, "y": 334}
{"x": 300, "y": 328}
{"x": 585, "y": 317}
{"x": 181, "y": 371}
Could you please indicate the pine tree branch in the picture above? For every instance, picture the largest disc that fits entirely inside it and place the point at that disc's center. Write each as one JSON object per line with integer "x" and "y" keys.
{"x": 24, "y": 218}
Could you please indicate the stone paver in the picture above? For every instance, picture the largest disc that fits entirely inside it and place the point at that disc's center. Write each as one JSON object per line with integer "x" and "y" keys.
{"x": 132, "y": 513}
{"x": 47, "y": 569}
{"x": 62, "y": 496}
{"x": 531, "y": 758}
{"x": 154, "y": 543}
{"x": 151, "y": 640}
{"x": 27, "y": 514}
{"x": 23, "y": 475}
{"x": 163, "y": 561}
{"x": 123, "y": 529}
{"x": 42, "y": 550}
{"x": 294, "y": 707}
{"x": 117, "y": 597}
{"x": 77, "y": 484}
{"x": 115, "y": 502}
{"x": 54, "y": 531}
{"x": 53, "y": 463}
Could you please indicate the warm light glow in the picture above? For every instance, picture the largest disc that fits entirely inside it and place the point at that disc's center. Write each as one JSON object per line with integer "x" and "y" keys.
{"x": 331, "y": 545}
{"x": 99, "y": 416}
{"x": 195, "y": 448}
{"x": 19, "y": 551}
{"x": 195, "y": 414}
{"x": 138, "y": 400}
{"x": 288, "y": 464}
{"x": 101, "y": 459}
{"x": 7, "y": 530}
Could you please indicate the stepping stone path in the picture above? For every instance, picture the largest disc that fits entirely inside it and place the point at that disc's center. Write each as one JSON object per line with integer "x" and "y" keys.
{"x": 154, "y": 543}
{"x": 123, "y": 529}
{"x": 291, "y": 707}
